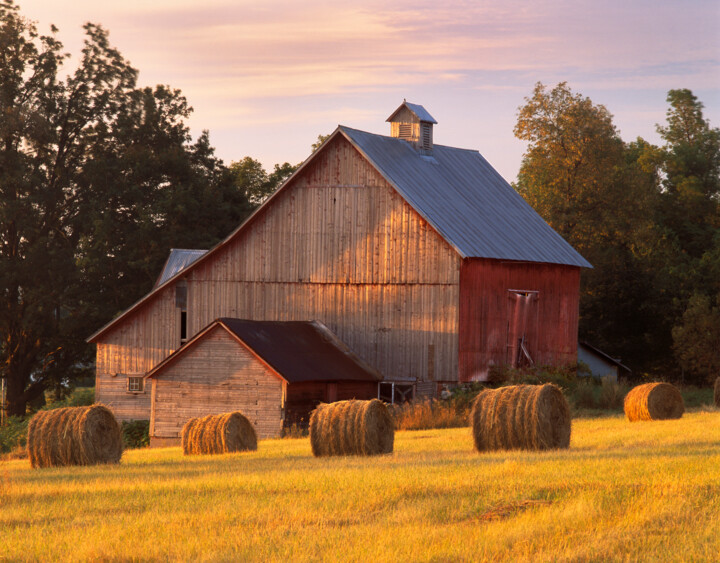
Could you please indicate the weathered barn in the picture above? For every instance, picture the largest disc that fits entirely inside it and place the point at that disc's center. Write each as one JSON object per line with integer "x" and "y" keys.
{"x": 421, "y": 258}
{"x": 274, "y": 372}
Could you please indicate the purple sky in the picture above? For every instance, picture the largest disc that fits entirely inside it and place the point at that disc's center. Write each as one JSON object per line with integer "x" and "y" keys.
{"x": 265, "y": 78}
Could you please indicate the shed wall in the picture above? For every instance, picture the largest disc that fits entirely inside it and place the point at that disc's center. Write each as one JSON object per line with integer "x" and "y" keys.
{"x": 485, "y": 314}
{"x": 216, "y": 375}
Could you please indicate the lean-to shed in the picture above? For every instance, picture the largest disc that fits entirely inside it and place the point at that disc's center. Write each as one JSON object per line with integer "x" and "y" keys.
{"x": 420, "y": 257}
{"x": 274, "y": 372}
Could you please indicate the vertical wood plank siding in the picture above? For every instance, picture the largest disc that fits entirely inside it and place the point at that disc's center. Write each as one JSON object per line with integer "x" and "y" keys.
{"x": 484, "y": 313}
{"x": 338, "y": 245}
{"x": 342, "y": 247}
{"x": 217, "y": 375}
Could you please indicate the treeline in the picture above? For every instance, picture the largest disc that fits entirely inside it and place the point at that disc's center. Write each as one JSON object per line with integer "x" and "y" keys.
{"x": 648, "y": 219}
{"x": 99, "y": 178}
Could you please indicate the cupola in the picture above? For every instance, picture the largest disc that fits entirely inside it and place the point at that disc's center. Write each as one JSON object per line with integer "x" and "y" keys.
{"x": 412, "y": 123}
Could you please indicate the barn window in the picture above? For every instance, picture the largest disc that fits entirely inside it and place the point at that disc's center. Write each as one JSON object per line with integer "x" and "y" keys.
{"x": 181, "y": 303}
{"x": 135, "y": 384}
{"x": 183, "y": 327}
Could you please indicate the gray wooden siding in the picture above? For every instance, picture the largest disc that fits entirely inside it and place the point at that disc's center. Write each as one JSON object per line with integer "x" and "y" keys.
{"x": 216, "y": 375}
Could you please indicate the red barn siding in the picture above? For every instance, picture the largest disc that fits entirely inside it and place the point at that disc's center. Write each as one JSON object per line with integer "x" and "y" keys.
{"x": 485, "y": 313}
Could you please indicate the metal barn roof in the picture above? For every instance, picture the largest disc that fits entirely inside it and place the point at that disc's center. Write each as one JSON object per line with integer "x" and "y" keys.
{"x": 466, "y": 200}
{"x": 178, "y": 260}
{"x": 420, "y": 112}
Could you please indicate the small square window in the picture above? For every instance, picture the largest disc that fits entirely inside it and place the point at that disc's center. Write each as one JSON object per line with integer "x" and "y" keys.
{"x": 135, "y": 384}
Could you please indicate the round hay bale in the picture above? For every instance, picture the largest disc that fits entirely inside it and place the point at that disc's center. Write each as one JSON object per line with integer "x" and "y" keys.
{"x": 185, "y": 433}
{"x": 316, "y": 420}
{"x": 716, "y": 395}
{"x": 654, "y": 401}
{"x": 529, "y": 417}
{"x": 218, "y": 434}
{"x": 351, "y": 428}
{"x": 378, "y": 430}
{"x": 238, "y": 433}
{"x": 74, "y": 436}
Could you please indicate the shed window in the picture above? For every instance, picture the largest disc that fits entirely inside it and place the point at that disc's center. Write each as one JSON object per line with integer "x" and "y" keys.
{"x": 135, "y": 384}
{"x": 394, "y": 392}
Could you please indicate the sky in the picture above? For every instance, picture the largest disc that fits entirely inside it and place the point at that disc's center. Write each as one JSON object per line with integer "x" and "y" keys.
{"x": 265, "y": 78}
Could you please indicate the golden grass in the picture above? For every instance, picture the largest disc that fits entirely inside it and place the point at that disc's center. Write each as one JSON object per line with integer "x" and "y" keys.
{"x": 647, "y": 491}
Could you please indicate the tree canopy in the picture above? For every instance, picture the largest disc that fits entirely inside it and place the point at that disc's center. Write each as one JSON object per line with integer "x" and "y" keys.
{"x": 646, "y": 217}
{"x": 98, "y": 180}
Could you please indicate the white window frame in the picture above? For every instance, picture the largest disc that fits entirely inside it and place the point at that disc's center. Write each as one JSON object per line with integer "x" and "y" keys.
{"x": 135, "y": 384}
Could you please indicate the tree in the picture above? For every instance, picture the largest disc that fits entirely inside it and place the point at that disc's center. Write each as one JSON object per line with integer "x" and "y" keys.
{"x": 97, "y": 180}
{"x": 690, "y": 164}
{"x": 599, "y": 195}
{"x": 320, "y": 140}
{"x": 44, "y": 134}
{"x": 251, "y": 179}
{"x": 697, "y": 340}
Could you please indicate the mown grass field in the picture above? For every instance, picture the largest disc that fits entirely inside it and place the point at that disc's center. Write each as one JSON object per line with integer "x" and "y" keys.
{"x": 647, "y": 491}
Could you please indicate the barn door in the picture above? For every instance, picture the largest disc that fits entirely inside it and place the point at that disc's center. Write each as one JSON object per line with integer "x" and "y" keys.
{"x": 522, "y": 327}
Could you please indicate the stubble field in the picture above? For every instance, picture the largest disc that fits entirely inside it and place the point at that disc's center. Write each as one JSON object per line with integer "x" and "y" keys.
{"x": 647, "y": 491}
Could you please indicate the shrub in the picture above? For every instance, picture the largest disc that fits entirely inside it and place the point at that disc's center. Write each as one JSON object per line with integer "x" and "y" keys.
{"x": 429, "y": 413}
{"x": 136, "y": 433}
{"x": 612, "y": 394}
{"x": 13, "y": 433}
{"x": 565, "y": 377}
{"x": 584, "y": 395}
{"x": 296, "y": 430}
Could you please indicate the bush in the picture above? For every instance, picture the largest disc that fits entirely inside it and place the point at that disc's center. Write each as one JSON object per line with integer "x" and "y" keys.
{"x": 612, "y": 395}
{"x": 136, "y": 433}
{"x": 296, "y": 430}
{"x": 564, "y": 377}
{"x": 13, "y": 434}
{"x": 428, "y": 413}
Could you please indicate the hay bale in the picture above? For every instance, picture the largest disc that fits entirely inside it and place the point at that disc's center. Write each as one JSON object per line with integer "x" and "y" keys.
{"x": 218, "y": 434}
{"x": 528, "y": 417}
{"x": 74, "y": 436}
{"x": 654, "y": 401}
{"x": 351, "y": 428}
{"x": 185, "y": 440}
{"x": 717, "y": 392}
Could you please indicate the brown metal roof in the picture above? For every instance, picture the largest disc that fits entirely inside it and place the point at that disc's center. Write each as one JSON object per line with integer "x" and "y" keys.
{"x": 298, "y": 351}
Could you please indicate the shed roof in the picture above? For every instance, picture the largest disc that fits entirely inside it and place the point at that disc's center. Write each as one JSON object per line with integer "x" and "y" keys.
{"x": 177, "y": 261}
{"x": 466, "y": 200}
{"x": 298, "y": 351}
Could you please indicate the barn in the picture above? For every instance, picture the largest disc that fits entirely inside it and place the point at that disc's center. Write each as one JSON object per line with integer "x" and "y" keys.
{"x": 418, "y": 257}
{"x": 275, "y": 372}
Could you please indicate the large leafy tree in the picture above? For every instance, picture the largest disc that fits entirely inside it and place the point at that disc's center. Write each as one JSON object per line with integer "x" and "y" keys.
{"x": 251, "y": 179}
{"x": 596, "y": 192}
{"x": 689, "y": 215}
{"x": 97, "y": 180}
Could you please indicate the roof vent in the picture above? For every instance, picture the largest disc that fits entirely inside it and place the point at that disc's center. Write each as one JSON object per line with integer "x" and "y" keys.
{"x": 412, "y": 123}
